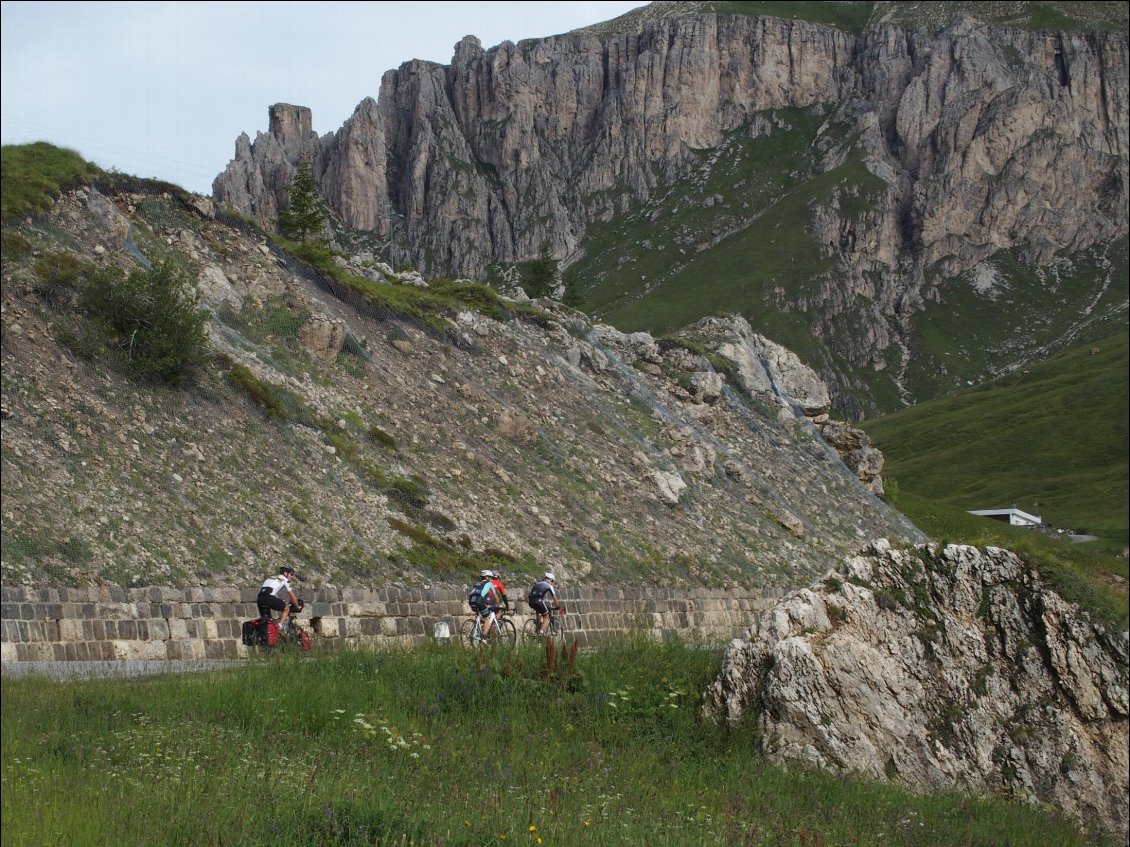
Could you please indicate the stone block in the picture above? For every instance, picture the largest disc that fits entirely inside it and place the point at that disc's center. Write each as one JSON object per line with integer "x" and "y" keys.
{"x": 70, "y": 629}
{"x": 178, "y": 629}
{"x": 158, "y": 629}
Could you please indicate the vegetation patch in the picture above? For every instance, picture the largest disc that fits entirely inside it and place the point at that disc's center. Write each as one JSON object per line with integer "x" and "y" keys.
{"x": 378, "y": 757}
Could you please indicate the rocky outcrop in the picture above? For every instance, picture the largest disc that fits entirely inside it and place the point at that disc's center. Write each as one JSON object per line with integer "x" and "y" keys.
{"x": 853, "y": 446}
{"x": 940, "y": 668}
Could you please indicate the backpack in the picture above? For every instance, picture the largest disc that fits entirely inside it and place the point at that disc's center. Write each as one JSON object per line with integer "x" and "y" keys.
{"x": 475, "y": 598}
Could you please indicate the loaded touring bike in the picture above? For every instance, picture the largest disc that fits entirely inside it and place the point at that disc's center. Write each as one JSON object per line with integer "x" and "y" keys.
{"x": 266, "y": 634}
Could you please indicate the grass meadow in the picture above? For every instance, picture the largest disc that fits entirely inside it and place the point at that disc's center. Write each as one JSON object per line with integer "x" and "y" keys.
{"x": 440, "y": 745}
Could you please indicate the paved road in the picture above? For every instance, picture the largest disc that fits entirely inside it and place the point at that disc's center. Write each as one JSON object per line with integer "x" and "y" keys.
{"x": 92, "y": 670}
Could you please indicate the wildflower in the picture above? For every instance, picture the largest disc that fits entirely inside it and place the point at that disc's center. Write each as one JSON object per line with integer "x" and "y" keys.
{"x": 533, "y": 828}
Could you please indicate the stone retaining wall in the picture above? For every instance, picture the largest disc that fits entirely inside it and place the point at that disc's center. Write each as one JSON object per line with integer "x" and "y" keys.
{"x": 108, "y": 623}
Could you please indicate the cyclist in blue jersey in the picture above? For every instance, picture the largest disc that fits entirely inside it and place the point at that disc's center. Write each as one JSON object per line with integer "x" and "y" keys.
{"x": 483, "y": 599}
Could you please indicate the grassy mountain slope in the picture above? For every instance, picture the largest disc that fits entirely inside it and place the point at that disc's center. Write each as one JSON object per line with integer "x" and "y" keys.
{"x": 1051, "y": 439}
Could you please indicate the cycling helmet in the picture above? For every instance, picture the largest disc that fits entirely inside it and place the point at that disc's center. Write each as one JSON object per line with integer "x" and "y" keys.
{"x": 485, "y": 574}
{"x": 286, "y": 569}
{"x": 495, "y": 575}
{"x": 548, "y": 576}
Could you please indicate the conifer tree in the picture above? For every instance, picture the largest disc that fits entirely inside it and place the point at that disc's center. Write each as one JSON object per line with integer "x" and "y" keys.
{"x": 302, "y": 219}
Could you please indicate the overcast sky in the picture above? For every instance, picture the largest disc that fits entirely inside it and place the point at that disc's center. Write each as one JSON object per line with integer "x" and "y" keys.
{"x": 164, "y": 89}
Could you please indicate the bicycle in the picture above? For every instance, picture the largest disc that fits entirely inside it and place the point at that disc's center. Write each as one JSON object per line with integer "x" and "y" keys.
{"x": 290, "y": 634}
{"x": 503, "y": 632}
{"x": 556, "y": 628}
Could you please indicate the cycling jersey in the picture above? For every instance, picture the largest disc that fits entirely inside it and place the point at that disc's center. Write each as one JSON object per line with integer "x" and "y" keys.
{"x": 541, "y": 589}
{"x": 279, "y": 585}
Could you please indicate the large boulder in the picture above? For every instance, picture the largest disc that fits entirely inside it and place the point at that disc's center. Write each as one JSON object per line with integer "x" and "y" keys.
{"x": 940, "y": 668}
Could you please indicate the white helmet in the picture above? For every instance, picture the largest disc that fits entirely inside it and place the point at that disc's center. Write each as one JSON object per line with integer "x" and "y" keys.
{"x": 485, "y": 574}
{"x": 548, "y": 576}
{"x": 495, "y": 575}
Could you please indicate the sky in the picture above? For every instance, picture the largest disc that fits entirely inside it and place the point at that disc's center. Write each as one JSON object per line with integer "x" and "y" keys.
{"x": 163, "y": 90}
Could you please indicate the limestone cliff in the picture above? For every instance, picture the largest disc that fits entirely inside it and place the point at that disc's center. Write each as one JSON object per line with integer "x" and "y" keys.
{"x": 941, "y": 668}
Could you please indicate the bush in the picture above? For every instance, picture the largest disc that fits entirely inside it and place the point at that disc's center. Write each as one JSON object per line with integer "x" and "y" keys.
{"x": 150, "y": 321}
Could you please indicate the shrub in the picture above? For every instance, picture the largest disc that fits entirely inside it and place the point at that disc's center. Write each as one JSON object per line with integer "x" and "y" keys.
{"x": 150, "y": 321}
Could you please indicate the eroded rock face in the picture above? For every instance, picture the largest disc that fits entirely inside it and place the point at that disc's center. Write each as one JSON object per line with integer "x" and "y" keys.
{"x": 940, "y": 668}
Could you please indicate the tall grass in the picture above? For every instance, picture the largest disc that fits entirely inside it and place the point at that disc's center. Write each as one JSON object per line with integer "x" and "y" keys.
{"x": 442, "y": 746}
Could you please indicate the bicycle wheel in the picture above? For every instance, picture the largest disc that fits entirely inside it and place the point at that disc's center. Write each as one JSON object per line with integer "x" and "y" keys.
{"x": 530, "y": 630}
{"x": 465, "y": 631}
{"x": 557, "y": 626}
{"x": 507, "y": 634}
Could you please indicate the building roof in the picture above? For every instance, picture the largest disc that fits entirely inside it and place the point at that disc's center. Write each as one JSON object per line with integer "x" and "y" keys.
{"x": 1013, "y": 512}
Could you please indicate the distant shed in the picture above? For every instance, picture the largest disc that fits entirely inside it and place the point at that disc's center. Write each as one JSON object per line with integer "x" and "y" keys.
{"x": 1012, "y": 516}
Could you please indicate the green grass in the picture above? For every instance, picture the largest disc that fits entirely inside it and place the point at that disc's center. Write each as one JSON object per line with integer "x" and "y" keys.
{"x": 430, "y": 307}
{"x": 442, "y": 746}
{"x": 849, "y": 16}
{"x": 962, "y": 338}
{"x": 35, "y": 174}
{"x": 1051, "y": 439}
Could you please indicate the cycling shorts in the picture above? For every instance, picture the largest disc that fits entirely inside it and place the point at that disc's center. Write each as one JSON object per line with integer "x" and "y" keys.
{"x": 266, "y": 601}
{"x": 539, "y": 605}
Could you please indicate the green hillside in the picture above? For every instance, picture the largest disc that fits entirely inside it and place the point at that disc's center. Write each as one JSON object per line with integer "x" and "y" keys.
{"x": 1050, "y": 439}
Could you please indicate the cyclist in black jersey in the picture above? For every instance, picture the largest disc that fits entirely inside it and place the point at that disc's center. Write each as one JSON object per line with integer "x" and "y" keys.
{"x": 540, "y": 595}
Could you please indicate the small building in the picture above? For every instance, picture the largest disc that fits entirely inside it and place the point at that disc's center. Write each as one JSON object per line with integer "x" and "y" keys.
{"x": 1012, "y": 516}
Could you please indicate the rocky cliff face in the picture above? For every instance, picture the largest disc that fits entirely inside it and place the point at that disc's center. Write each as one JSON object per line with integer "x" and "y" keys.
{"x": 978, "y": 139}
{"x": 941, "y": 668}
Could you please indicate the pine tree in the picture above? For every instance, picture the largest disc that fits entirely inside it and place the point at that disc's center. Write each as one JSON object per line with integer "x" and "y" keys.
{"x": 302, "y": 219}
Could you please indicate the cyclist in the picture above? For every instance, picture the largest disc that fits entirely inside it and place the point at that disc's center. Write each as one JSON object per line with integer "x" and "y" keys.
{"x": 484, "y": 600}
{"x": 500, "y": 589}
{"x": 543, "y": 590}
{"x": 274, "y": 594}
